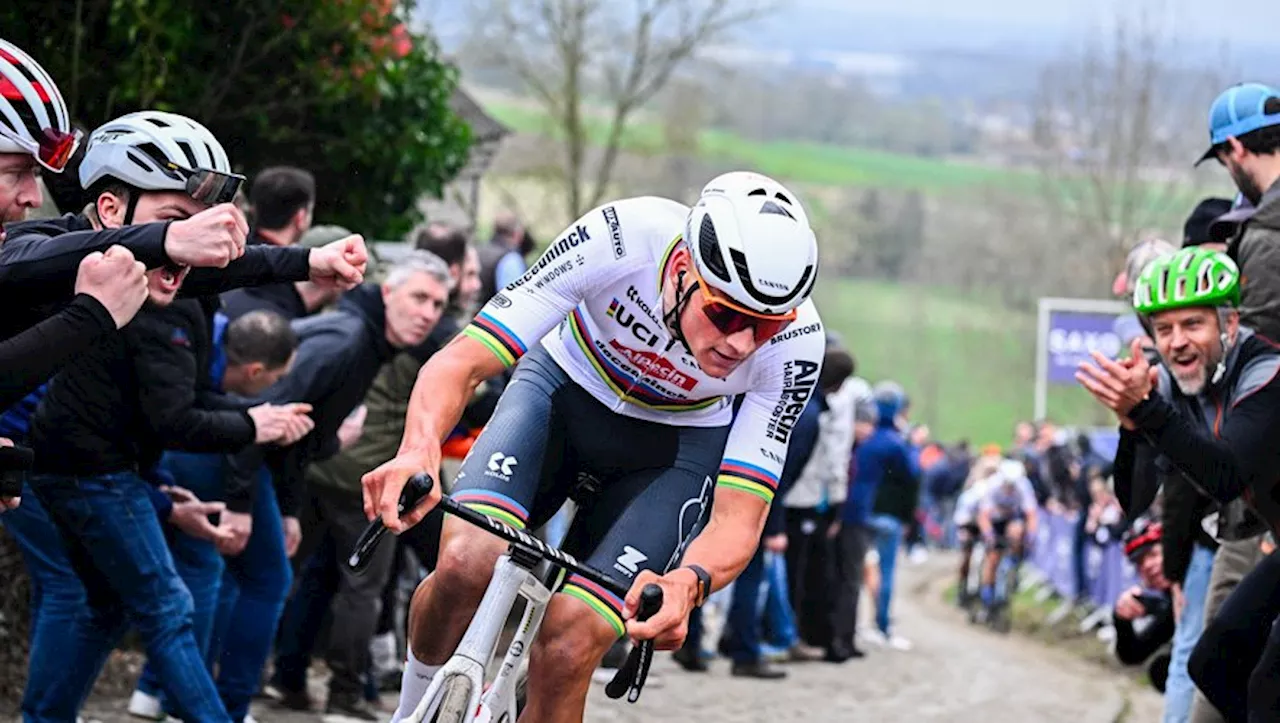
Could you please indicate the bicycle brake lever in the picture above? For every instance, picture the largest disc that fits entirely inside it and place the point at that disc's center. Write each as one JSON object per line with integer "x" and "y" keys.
{"x": 414, "y": 490}
{"x": 631, "y": 676}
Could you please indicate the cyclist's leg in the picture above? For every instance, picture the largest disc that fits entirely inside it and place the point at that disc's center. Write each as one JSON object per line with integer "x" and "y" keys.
{"x": 967, "y": 540}
{"x": 992, "y": 561}
{"x": 642, "y": 520}
{"x": 1014, "y": 533}
{"x": 510, "y": 475}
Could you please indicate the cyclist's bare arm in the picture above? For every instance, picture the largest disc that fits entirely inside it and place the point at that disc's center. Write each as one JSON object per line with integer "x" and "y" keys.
{"x": 984, "y": 521}
{"x": 723, "y": 549}
{"x": 445, "y": 385}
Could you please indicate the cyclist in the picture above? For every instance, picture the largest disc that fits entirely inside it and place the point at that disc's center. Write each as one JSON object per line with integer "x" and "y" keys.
{"x": 1211, "y": 413}
{"x": 1007, "y": 517}
{"x": 652, "y": 317}
{"x": 965, "y": 519}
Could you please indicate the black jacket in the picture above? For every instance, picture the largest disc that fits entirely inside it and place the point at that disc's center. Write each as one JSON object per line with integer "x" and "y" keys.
{"x": 45, "y": 324}
{"x": 281, "y": 298}
{"x": 1224, "y": 442}
{"x": 1184, "y": 508}
{"x": 339, "y": 355}
{"x": 122, "y": 403}
{"x": 1132, "y": 648}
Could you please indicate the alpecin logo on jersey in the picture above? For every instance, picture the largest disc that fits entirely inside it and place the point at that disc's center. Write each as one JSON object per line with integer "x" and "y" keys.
{"x": 655, "y": 366}
{"x": 798, "y": 380}
{"x": 636, "y": 324}
{"x": 570, "y": 240}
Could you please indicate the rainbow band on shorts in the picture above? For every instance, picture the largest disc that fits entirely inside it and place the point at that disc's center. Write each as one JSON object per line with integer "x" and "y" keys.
{"x": 746, "y": 477}
{"x": 496, "y": 505}
{"x": 608, "y": 605}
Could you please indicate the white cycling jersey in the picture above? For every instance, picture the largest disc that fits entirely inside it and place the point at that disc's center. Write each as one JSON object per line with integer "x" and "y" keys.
{"x": 967, "y": 504}
{"x": 594, "y": 301}
{"x": 1007, "y": 502}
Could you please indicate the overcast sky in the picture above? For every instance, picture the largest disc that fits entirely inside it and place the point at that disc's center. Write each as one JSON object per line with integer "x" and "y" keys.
{"x": 1249, "y": 21}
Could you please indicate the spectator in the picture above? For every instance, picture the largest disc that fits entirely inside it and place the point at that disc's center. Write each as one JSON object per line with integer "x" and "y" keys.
{"x": 503, "y": 260}
{"x": 812, "y": 510}
{"x": 1149, "y": 599}
{"x": 884, "y": 458}
{"x": 282, "y": 199}
{"x": 339, "y": 356}
{"x": 1245, "y": 138}
{"x": 1129, "y": 326}
{"x": 1226, "y": 227}
{"x": 96, "y": 433}
{"x": 241, "y": 358}
{"x": 451, "y": 245}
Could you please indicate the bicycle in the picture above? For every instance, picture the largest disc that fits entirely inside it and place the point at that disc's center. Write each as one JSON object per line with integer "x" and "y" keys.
{"x": 998, "y": 615}
{"x": 457, "y": 693}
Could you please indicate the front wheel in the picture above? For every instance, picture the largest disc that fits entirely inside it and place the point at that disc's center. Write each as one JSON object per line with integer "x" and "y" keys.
{"x": 455, "y": 707}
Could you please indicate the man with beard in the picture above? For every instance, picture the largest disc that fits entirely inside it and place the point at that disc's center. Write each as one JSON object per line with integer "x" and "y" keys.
{"x": 1244, "y": 130}
{"x": 1212, "y": 414}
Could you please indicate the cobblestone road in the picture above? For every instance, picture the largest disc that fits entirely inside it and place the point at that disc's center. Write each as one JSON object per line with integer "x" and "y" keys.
{"x": 954, "y": 673}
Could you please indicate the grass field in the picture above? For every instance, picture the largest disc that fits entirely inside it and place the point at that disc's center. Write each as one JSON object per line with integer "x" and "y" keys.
{"x": 807, "y": 162}
{"x": 969, "y": 367}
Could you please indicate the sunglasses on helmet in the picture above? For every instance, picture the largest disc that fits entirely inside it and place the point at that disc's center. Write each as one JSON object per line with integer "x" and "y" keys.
{"x": 53, "y": 149}
{"x": 730, "y": 317}
{"x": 208, "y": 186}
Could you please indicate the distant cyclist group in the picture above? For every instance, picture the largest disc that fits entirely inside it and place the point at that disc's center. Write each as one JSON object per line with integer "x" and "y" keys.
{"x": 665, "y": 351}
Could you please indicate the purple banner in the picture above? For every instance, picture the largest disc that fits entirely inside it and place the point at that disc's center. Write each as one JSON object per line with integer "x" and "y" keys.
{"x": 1073, "y": 335}
{"x": 1109, "y": 573}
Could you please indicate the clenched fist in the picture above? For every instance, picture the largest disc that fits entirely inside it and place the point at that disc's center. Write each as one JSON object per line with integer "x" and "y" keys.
{"x": 283, "y": 424}
{"x": 212, "y": 238}
{"x": 116, "y": 280}
{"x": 340, "y": 264}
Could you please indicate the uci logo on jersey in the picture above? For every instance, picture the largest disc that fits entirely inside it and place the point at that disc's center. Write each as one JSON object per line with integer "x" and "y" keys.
{"x": 629, "y": 320}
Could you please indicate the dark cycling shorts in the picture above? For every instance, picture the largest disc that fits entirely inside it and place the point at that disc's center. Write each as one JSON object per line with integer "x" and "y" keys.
{"x": 655, "y": 480}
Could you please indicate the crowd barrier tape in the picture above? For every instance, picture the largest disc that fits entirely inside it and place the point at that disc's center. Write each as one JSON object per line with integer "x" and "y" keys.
{"x": 1108, "y": 571}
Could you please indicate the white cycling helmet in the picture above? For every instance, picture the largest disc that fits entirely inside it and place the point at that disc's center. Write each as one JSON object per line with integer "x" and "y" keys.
{"x": 156, "y": 151}
{"x": 33, "y": 116}
{"x": 750, "y": 239}
{"x": 1011, "y": 471}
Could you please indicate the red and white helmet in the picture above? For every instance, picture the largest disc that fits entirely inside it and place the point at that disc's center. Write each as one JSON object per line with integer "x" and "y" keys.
{"x": 750, "y": 239}
{"x": 33, "y": 116}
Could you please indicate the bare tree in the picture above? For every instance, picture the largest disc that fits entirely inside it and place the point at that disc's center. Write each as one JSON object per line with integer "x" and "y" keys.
{"x": 591, "y": 65}
{"x": 1117, "y": 124}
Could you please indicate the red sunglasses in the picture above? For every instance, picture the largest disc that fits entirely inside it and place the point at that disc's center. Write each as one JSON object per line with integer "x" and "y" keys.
{"x": 729, "y": 317}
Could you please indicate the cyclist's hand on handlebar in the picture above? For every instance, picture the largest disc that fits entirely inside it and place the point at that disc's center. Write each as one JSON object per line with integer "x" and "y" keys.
{"x": 668, "y": 627}
{"x": 382, "y": 488}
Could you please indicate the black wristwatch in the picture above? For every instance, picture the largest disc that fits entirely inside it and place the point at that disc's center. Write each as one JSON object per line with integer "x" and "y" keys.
{"x": 704, "y": 583}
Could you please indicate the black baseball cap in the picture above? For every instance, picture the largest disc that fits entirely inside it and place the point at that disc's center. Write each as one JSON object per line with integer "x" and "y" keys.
{"x": 1196, "y": 230}
{"x": 1224, "y": 227}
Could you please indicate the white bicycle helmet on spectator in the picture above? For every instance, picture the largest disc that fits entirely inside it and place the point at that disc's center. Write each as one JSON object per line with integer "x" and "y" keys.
{"x": 750, "y": 239}
{"x": 156, "y": 151}
{"x": 33, "y": 116}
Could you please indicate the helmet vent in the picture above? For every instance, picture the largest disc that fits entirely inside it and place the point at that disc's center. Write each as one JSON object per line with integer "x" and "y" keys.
{"x": 186, "y": 152}
{"x": 782, "y": 197}
{"x": 156, "y": 121}
{"x": 758, "y": 192}
{"x": 139, "y": 162}
{"x": 771, "y": 207}
{"x": 709, "y": 249}
{"x": 154, "y": 152}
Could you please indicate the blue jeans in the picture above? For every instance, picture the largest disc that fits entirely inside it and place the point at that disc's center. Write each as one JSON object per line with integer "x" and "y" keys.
{"x": 255, "y": 585}
{"x": 744, "y": 611}
{"x": 57, "y": 601}
{"x": 888, "y": 531}
{"x": 198, "y": 561}
{"x": 117, "y": 546}
{"x": 1179, "y": 690}
{"x": 777, "y": 606}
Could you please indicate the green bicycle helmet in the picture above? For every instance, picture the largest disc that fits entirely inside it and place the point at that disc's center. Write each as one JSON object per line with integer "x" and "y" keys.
{"x": 1193, "y": 276}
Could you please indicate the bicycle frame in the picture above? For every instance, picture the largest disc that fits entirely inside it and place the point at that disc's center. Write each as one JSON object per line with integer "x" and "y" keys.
{"x": 476, "y": 650}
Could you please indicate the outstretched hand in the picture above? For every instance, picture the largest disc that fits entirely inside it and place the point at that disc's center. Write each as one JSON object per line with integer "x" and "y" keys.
{"x": 1119, "y": 385}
